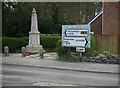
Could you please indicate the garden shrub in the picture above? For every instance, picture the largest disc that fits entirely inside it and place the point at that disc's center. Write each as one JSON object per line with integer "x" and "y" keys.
{"x": 61, "y": 51}
{"x": 49, "y": 41}
{"x": 64, "y": 53}
{"x": 106, "y": 53}
{"x": 15, "y": 44}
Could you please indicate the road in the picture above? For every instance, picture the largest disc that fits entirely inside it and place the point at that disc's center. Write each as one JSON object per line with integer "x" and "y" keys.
{"x": 14, "y": 75}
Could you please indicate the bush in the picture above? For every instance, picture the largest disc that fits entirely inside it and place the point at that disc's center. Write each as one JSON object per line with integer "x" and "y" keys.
{"x": 15, "y": 44}
{"x": 93, "y": 43}
{"x": 64, "y": 53}
{"x": 49, "y": 41}
{"x": 106, "y": 53}
{"x": 61, "y": 50}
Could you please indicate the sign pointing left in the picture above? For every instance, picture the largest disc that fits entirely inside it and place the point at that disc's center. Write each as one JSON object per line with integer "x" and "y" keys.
{"x": 76, "y": 33}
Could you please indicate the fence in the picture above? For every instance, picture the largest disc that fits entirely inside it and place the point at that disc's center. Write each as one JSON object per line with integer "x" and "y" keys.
{"x": 107, "y": 43}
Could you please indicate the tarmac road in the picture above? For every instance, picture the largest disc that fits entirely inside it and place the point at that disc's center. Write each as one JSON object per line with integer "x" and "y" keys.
{"x": 18, "y": 75}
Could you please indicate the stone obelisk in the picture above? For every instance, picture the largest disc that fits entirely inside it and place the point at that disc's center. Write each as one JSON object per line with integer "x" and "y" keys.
{"x": 34, "y": 36}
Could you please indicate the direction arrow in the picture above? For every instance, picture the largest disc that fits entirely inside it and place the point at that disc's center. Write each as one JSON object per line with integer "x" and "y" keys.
{"x": 65, "y": 32}
{"x": 86, "y": 41}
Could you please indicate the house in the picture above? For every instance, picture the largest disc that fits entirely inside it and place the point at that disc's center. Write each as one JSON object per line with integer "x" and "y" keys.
{"x": 106, "y": 23}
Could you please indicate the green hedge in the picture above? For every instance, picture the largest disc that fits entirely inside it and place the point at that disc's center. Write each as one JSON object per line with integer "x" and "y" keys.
{"x": 61, "y": 51}
{"x": 15, "y": 44}
{"x": 49, "y": 41}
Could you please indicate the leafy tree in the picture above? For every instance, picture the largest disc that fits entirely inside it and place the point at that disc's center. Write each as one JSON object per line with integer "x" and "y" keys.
{"x": 16, "y": 20}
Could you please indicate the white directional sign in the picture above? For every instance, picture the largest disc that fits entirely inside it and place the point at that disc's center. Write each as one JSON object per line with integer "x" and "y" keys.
{"x": 76, "y": 32}
{"x": 75, "y": 41}
{"x": 76, "y": 35}
{"x": 80, "y": 49}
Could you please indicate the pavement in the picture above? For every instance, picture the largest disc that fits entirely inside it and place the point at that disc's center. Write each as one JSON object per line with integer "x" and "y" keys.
{"x": 50, "y": 62}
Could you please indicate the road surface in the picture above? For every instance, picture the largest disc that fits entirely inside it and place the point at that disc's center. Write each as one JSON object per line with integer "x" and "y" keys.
{"x": 18, "y": 75}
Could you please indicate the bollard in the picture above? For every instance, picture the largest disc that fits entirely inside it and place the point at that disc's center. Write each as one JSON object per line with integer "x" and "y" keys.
{"x": 23, "y": 51}
{"x": 41, "y": 53}
{"x": 6, "y": 51}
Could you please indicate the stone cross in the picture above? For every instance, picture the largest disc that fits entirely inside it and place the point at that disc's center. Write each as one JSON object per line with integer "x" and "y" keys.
{"x": 34, "y": 36}
{"x": 23, "y": 51}
{"x": 6, "y": 51}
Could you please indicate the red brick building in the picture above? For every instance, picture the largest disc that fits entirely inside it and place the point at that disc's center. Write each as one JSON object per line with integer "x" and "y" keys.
{"x": 110, "y": 18}
{"x": 106, "y": 22}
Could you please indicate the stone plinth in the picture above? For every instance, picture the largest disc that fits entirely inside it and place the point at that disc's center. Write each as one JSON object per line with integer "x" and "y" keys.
{"x": 33, "y": 49}
{"x": 34, "y": 36}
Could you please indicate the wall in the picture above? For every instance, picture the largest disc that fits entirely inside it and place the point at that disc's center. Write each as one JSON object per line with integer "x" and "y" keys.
{"x": 119, "y": 29}
{"x": 110, "y": 18}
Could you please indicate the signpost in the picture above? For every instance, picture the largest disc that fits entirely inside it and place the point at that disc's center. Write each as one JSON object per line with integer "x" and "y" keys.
{"x": 76, "y": 36}
{"x": 75, "y": 41}
{"x": 76, "y": 32}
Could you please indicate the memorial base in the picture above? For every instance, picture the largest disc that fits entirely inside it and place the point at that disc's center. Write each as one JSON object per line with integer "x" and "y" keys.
{"x": 33, "y": 49}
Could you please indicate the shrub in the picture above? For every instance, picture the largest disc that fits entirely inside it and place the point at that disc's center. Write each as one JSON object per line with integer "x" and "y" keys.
{"x": 93, "y": 43}
{"x": 49, "y": 41}
{"x": 15, "y": 44}
{"x": 64, "y": 53}
{"x": 61, "y": 50}
{"x": 106, "y": 53}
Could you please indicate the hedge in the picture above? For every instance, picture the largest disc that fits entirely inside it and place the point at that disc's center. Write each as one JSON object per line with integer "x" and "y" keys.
{"x": 15, "y": 44}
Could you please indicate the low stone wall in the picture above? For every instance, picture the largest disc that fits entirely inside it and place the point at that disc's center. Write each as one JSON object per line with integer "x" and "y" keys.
{"x": 101, "y": 58}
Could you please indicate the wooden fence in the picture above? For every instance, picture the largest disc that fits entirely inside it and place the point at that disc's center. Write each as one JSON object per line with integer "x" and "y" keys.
{"x": 107, "y": 43}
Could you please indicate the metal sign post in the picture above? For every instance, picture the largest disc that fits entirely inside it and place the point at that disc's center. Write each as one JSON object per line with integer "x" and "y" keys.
{"x": 81, "y": 50}
{"x": 80, "y": 55}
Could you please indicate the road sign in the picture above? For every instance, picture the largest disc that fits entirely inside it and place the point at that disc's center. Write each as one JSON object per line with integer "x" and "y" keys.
{"x": 80, "y": 49}
{"x": 76, "y": 35}
{"x": 75, "y": 41}
{"x": 76, "y": 32}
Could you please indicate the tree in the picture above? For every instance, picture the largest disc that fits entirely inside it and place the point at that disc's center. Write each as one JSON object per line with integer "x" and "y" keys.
{"x": 16, "y": 20}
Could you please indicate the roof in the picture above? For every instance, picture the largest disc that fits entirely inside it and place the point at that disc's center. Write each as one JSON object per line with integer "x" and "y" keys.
{"x": 95, "y": 17}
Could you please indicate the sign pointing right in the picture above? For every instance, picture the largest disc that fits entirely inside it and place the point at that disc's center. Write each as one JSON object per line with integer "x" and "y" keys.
{"x": 72, "y": 41}
{"x": 86, "y": 41}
